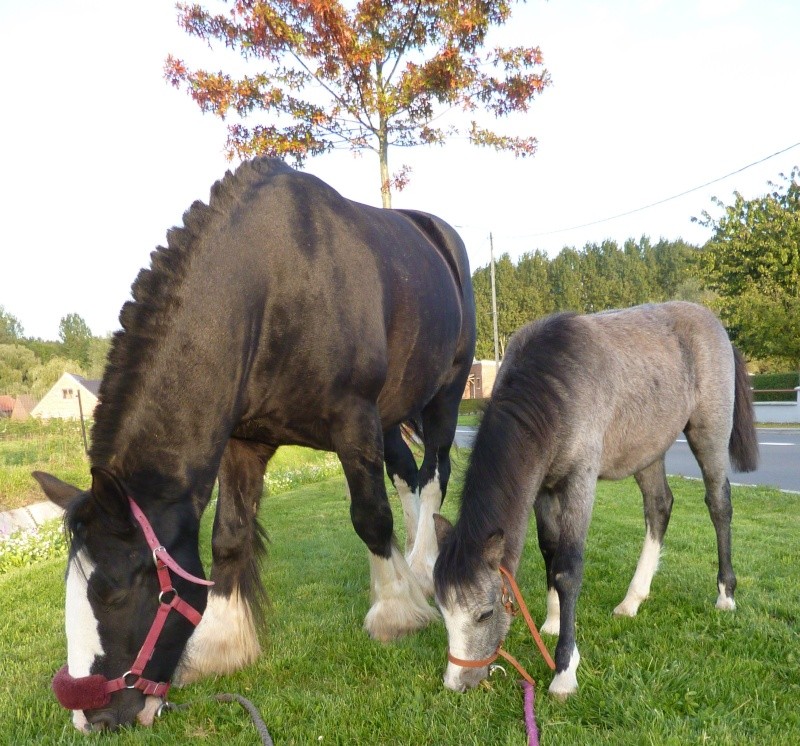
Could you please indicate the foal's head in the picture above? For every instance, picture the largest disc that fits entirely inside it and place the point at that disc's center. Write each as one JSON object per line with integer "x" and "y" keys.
{"x": 112, "y": 597}
{"x": 469, "y": 593}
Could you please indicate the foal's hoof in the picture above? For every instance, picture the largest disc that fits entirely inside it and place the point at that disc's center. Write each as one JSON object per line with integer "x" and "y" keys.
{"x": 724, "y": 601}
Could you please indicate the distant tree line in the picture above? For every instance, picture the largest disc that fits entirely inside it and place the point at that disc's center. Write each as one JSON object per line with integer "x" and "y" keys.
{"x": 748, "y": 273}
{"x": 32, "y": 366}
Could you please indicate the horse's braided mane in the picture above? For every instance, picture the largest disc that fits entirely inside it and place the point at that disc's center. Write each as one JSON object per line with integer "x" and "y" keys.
{"x": 517, "y": 428}
{"x": 143, "y": 319}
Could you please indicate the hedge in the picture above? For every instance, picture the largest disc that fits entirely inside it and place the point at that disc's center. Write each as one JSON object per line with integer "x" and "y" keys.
{"x": 775, "y": 381}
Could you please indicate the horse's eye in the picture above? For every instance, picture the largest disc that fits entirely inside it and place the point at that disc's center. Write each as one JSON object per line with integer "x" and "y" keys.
{"x": 486, "y": 615}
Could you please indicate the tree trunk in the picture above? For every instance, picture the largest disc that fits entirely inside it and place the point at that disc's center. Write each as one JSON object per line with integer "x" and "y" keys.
{"x": 383, "y": 156}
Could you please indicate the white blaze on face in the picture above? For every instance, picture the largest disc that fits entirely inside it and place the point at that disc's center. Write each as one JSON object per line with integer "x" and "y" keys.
{"x": 83, "y": 638}
{"x": 456, "y": 622}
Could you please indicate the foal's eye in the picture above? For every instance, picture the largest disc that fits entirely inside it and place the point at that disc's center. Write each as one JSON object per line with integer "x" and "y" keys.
{"x": 486, "y": 615}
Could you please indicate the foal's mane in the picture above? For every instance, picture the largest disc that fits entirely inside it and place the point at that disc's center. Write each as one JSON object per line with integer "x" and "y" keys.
{"x": 517, "y": 431}
{"x": 144, "y": 319}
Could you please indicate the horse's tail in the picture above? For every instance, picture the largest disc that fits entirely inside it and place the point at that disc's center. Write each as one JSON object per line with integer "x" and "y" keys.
{"x": 743, "y": 445}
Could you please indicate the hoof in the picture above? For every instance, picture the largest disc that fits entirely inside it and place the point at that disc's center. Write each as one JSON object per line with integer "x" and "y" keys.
{"x": 565, "y": 683}
{"x": 224, "y": 641}
{"x": 550, "y": 626}
{"x": 627, "y": 608}
{"x": 393, "y": 618}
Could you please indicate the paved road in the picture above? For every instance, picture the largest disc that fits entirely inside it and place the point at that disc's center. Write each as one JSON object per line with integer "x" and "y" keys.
{"x": 779, "y": 465}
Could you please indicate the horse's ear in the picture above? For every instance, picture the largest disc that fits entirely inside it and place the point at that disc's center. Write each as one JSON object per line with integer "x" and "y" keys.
{"x": 494, "y": 549}
{"x": 58, "y": 492}
{"x": 443, "y": 529}
{"x": 109, "y": 494}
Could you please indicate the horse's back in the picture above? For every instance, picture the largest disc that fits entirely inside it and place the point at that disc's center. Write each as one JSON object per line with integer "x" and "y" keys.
{"x": 350, "y": 299}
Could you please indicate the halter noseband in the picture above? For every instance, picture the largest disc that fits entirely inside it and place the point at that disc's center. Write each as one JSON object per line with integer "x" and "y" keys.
{"x": 508, "y": 599}
{"x": 94, "y": 692}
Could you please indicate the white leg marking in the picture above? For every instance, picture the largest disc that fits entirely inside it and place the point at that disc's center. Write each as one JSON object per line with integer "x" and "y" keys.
{"x": 149, "y": 711}
{"x": 409, "y": 499}
{"x": 639, "y": 589}
{"x": 725, "y": 602}
{"x": 79, "y": 721}
{"x": 426, "y": 549}
{"x": 83, "y": 639}
{"x": 552, "y": 623}
{"x": 224, "y": 641}
{"x": 398, "y": 604}
{"x": 566, "y": 682}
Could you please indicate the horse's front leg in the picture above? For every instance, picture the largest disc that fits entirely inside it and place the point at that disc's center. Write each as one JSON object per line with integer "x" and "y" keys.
{"x": 567, "y": 568}
{"x": 226, "y": 638}
{"x": 439, "y": 421}
{"x": 402, "y": 471}
{"x": 398, "y": 604}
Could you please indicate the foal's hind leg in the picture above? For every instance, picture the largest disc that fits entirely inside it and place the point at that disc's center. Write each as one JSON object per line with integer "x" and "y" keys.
{"x": 226, "y": 639}
{"x": 439, "y": 421}
{"x": 398, "y": 604}
{"x": 711, "y": 454}
{"x": 402, "y": 470}
{"x": 658, "y": 500}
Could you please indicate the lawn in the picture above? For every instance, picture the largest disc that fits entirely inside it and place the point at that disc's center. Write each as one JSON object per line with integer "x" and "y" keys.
{"x": 679, "y": 673}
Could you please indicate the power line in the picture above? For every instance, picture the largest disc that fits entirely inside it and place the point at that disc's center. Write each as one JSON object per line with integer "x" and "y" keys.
{"x": 659, "y": 202}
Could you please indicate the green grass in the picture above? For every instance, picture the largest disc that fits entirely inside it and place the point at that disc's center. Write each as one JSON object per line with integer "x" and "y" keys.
{"x": 55, "y": 446}
{"x": 679, "y": 673}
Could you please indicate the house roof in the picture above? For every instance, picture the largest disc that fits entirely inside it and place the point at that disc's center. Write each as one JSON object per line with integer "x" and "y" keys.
{"x": 88, "y": 384}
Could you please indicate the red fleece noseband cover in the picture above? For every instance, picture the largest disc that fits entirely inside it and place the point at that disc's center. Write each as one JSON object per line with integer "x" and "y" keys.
{"x": 85, "y": 693}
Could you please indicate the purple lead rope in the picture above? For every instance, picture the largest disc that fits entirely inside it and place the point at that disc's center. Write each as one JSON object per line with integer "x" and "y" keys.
{"x": 530, "y": 718}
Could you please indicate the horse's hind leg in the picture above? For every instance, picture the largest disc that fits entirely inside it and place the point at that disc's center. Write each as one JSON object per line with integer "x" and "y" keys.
{"x": 658, "y": 500}
{"x": 402, "y": 470}
{"x": 226, "y": 638}
{"x": 398, "y": 605}
{"x": 439, "y": 420}
{"x": 711, "y": 455}
{"x": 547, "y": 509}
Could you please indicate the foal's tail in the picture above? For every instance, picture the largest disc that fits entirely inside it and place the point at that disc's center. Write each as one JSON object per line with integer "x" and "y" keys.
{"x": 743, "y": 445}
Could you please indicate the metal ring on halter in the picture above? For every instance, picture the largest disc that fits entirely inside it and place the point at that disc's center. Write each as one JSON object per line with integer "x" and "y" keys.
{"x": 167, "y": 590}
{"x": 164, "y": 707}
{"x": 159, "y": 548}
{"x": 497, "y": 667}
{"x": 125, "y": 676}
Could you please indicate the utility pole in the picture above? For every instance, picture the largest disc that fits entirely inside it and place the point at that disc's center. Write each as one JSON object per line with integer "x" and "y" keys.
{"x": 494, "y": 303}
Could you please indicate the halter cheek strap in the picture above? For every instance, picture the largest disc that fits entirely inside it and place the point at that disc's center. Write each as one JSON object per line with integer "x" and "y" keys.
{"x": 93, "y": 692}
{"x": 508, "y": 601}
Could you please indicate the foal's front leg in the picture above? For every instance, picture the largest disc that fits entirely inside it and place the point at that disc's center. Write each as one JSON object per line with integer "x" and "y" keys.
{"x": 398, "y": 604}
{"x": 567, "y": 567}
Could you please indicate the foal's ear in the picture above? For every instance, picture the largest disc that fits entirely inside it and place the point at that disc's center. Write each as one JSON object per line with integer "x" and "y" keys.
{"x": 109, "y": 494}
{"x": 494, "y": 549}
{"x": 58, "y": 492}
{"x": 443, "y": 529}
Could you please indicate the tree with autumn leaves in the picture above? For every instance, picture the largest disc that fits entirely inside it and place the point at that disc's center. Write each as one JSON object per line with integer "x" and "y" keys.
{"x": 325, "y": 74}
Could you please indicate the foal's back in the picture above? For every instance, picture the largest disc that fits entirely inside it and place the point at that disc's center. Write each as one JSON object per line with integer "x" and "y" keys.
{"x": 630, "y": 382}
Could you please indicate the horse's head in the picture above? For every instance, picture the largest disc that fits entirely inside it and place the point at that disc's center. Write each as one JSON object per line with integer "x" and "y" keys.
{"x": 470, "y": 595}
{"x": 123, "y": 644}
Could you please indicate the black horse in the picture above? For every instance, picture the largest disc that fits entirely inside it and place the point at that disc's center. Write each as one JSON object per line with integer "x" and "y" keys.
{"x": 281, "y": 313}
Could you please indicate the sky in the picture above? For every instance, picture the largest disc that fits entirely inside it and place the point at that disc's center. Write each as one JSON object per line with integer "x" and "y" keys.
{"x": 99, "y": 156}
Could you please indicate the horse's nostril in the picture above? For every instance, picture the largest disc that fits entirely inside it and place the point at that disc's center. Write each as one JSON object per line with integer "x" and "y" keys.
{"x": 103, "y": 722}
